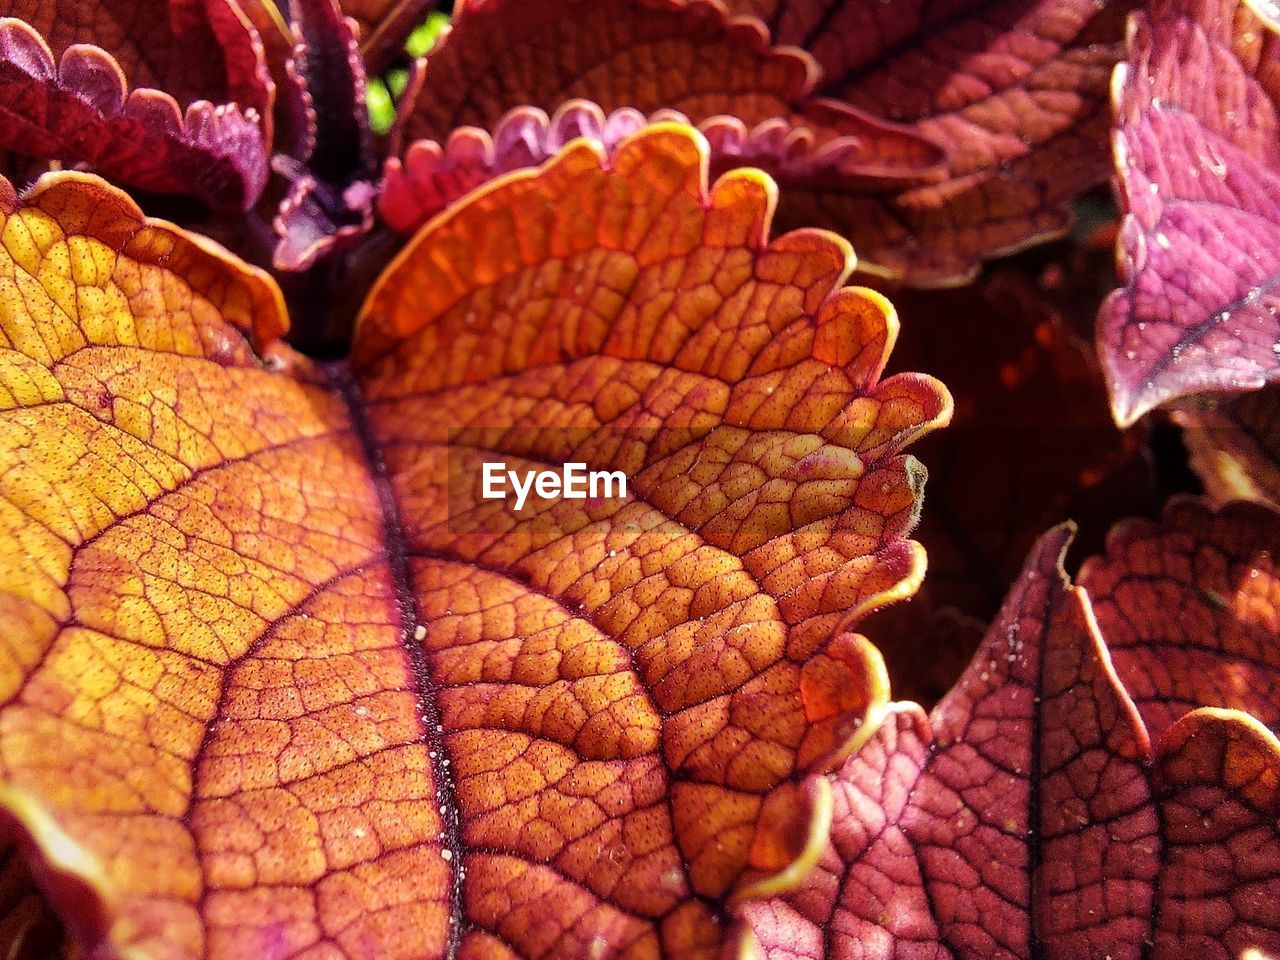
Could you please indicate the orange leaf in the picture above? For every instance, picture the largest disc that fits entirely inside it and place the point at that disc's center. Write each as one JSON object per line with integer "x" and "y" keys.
{"x": 278, "y": 681}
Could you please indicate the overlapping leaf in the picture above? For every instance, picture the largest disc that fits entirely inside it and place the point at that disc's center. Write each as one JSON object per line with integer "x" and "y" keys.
{"x": 1190, "y": 608}
{"x": 647, "y": 55}
{"x": 431, "y": 176}
{"x": 1013, "y": 92}
{"x": 278, "y": 681}
{"x": 172, "y": 98}
{"x": 384, "y": 25}
{"x": 1030, "y": 815}
{"x": 1198, "y": 169}
{"x": 191, "y": 49}
{"x": 1234, "y": 444}
{"x": 650, "y": 56}
{"x": 329, "y": 205}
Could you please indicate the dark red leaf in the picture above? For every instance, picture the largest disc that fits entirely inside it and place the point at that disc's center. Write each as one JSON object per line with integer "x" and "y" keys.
{"x": 329, "y": 206}
{"x": 1190, "y": 608}
{"x": 752, "y": 100}
{"x": 431, "y": 176}
{"x": 1199, "y": 167}
{"x": 1219, "y": 778}
{"x": 1031, "y": 817}
{"x": 294, "y": 126}
{"x": 191, "y": 49}
{"x": 1015, "y": 90}
{"x": 76, "y": 107}
{"x": 28, "y": 928}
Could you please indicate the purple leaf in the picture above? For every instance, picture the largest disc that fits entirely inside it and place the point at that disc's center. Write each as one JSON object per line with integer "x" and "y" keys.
{"x": 79, "y": 110}
{"x": 1199, "y": 167}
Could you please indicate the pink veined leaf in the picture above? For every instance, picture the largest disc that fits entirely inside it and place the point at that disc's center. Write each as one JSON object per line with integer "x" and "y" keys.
{"x": 1031, "y": 816}
{"x": 1199, "y": 168}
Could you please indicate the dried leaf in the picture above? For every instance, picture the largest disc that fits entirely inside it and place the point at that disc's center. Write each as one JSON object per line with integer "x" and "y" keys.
{"x": 1197, "y": 165}
{"x": 277, "y": 681}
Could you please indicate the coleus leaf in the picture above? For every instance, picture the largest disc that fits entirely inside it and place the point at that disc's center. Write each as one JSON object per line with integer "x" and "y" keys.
{"x": 1234, "y": 444}
{"x": 168, "y": 98}
{"x": 649, "y": 56}
{"x": 1015, "y": 91}
{"x": 277, "y": 679}
{"x": 1190, "y": 608}
{"x": 1031, "y": 816}
{"x": 329, "y": 205}
{"x": 430, "y": 176}
{"x": 1198, "y": 174}
{"x": 191, "y": 49}
{"x": 1013, "y": 96}
{"x": 294, "y": 115}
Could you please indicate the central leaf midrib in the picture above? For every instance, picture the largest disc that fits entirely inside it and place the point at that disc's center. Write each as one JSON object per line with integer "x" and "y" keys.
{"x": 396, "y": 551}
